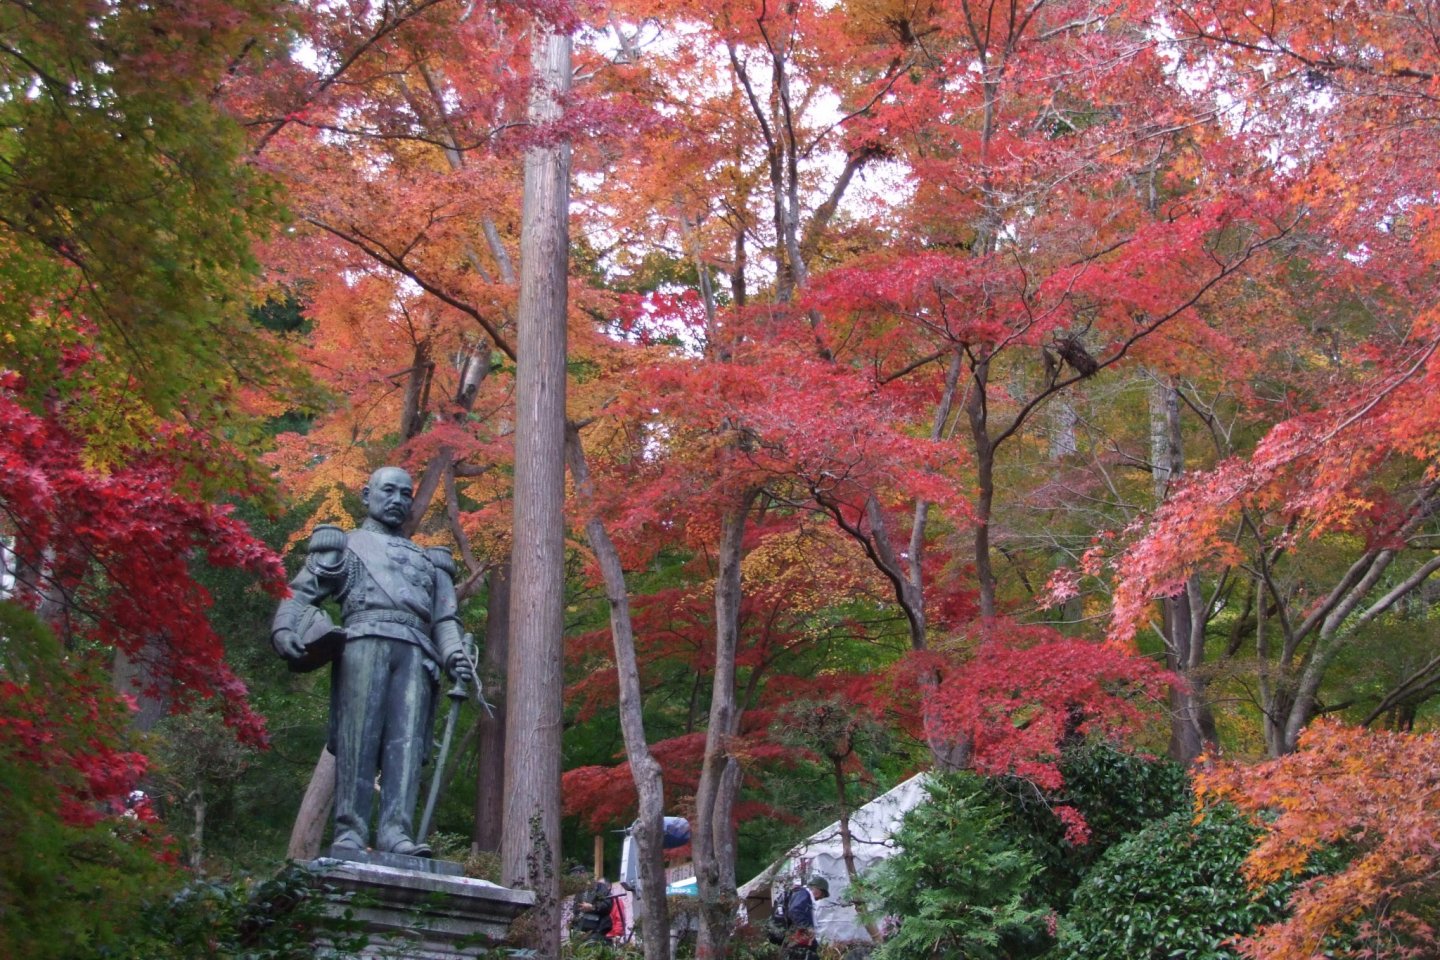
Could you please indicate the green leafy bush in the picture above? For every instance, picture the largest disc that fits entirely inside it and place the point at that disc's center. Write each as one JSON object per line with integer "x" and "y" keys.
{"x": 275, "y": 918}
{"x": 1116, "y": 791}
{"x": 1173, "y": 891}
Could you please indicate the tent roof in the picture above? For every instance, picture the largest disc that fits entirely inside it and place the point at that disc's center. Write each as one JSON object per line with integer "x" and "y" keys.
{"x": 871, "y": 829}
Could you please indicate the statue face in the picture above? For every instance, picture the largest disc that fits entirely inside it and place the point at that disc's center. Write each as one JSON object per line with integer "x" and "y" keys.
{"x": 388, "y": 496}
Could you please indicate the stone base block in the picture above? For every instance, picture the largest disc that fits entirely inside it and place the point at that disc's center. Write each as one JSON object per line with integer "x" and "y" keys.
{"x": 419, "y": 864}
{"x": 418, "y": 915}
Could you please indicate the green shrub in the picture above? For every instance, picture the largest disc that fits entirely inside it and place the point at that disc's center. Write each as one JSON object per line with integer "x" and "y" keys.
{"x": 277, "y": 918}
{"x": 1117, "y": 792}
{"x": 961, "y": 886}
{"x": 1173, "y": 891}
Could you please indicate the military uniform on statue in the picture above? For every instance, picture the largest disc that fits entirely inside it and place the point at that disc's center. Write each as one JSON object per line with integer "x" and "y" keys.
{"x": 398, "y": 607}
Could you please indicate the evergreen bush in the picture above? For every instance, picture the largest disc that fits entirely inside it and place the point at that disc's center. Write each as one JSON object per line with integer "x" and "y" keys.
{"x": 1172, "y": 891}
{"x": 962, "y": 886}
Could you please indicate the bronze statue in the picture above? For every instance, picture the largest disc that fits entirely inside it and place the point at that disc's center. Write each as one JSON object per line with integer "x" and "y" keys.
{"x": 398, "y": 606}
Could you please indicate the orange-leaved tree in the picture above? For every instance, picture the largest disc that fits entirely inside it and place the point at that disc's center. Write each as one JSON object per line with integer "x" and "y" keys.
{"x": 1373, "y": 798}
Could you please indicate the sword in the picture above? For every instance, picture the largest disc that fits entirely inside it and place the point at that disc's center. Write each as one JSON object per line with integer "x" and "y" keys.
{"x": 457, "y": 694}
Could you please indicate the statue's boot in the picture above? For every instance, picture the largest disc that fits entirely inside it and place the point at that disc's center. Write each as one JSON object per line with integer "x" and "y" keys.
{"x": 348, "y": 843}
{"x": 411, "y": 849}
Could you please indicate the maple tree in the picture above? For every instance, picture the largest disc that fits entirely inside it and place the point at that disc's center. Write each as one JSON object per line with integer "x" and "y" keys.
{"x": 763, "y": 462}
{"x": 815, "y": 244}
{"x": 1005, "y": 288}
{"x": 918, "y": 311}
{"x": 127, "y": 218}
{"x": 1348, "y": 470}
{"x": 1371, "y": 795}
{"x": 134, "y": 381}
{"x": 783, "y": 654}
{"x": 105, "y": 558}
{"x": 74, "y": 872}
{"x": 1021, "y": 695}
{"x": 129, "y": 361}
{"x": 782, "y": 42}
{"x": 1315, "y": 524}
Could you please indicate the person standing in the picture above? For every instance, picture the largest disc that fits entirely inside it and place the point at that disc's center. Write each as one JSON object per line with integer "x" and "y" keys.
{"x": 800, "y": 941}
{"x": 398, "y": 607}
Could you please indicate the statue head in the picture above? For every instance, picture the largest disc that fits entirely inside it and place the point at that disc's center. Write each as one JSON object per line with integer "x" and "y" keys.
{"x": 388, "y": 497}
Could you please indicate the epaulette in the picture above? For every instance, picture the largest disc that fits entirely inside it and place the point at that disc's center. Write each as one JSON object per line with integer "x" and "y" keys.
{"x": 442, "y": 558}
{"x": 326, "y": 537}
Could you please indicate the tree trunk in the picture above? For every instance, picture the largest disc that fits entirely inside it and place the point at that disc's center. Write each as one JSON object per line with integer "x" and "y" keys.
{"x": 530, "y": 845}
{"x": 644, "y": 768}
{"x": 1192, "y": 723}
{"x": 472, "y": 372}
{"x": 977, "y": 411}
{"x": 35, "y": 586}
{"x": 1063, "y": 420}
{"x": 415, "y": 409}
{"x": 134, "y": 677}
{"x": 490, "y": 777}
{"x": 314, "y": 814}
{"x": 713, "y": 831}
{"x": 197, "y": 834}
{"x": 847, "y": 843}
{"x": 915, "y": 577}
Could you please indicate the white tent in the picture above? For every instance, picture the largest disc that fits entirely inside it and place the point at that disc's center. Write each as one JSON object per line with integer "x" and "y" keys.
{"x": 872, "y": 829}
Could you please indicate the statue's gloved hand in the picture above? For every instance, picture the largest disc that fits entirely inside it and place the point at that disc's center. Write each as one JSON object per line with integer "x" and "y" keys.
{"x": 287, "y": 644}
{"x": 459, "y": 667}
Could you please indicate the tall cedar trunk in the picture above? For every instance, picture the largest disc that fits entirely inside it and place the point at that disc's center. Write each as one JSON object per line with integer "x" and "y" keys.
{"x": 1192, "y": 724}
{"x": 644, "y": 768}
{"x": 530, "y": 845}
{"x": 713, "y": 832}
{"x": 309, "y": 829}
{"x": 490, "y": 778}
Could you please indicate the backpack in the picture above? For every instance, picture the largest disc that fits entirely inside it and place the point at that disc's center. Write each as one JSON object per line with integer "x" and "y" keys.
{"x": 778, "y": 924}
{"x": 617, "y": 918}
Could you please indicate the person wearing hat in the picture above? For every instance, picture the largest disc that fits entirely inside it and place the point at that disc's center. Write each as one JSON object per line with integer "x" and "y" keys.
{"x": 800, "y": 942}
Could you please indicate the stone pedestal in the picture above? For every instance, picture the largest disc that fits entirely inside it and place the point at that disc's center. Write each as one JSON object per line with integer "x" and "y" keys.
{"x": 448, "y": 868}
{"x": 418, "y": 915}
